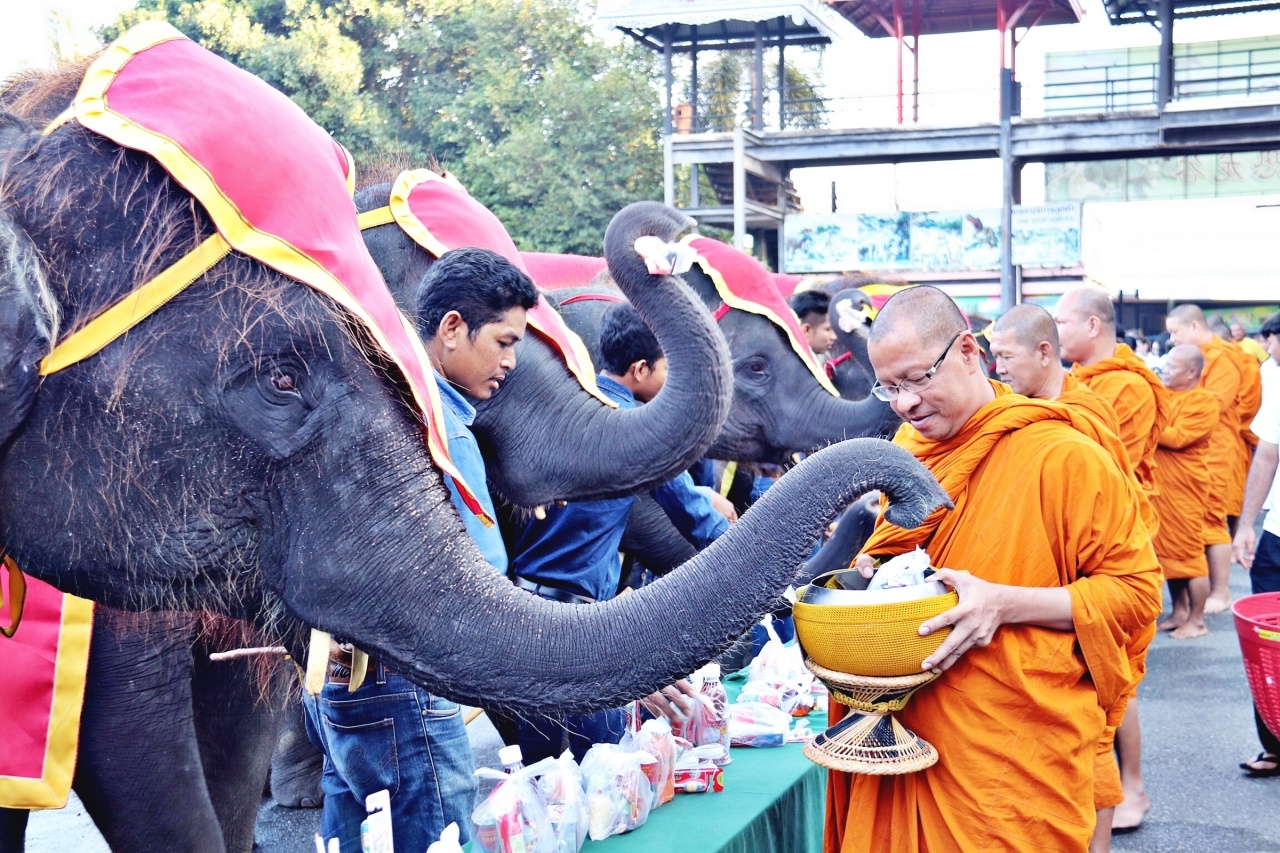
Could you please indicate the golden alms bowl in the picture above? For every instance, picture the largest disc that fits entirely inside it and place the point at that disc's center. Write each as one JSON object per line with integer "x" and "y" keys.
{"x": 875, "y": 638}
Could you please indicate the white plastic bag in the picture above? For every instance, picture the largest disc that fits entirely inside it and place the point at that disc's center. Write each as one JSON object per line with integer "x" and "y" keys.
{"x": 903, "y": 570}
{"x": 513, "y": 818}
{"x": 561, "y": 785}
{"x": 619, "y": 794}
{"x": 776, "y": 662}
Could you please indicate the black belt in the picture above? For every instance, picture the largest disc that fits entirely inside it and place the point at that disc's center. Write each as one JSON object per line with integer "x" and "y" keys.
{"x": 554, "y": 593}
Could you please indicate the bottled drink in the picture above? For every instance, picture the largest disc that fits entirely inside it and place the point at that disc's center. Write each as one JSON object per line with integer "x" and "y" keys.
{"x": 715, "y": 727}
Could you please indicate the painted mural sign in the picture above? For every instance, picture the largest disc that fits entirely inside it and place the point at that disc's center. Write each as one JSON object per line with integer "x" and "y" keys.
{"x": 941, "y": 241}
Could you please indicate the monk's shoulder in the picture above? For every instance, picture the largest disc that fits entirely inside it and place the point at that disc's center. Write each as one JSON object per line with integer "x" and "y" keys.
{"x": 1049, "y": 448}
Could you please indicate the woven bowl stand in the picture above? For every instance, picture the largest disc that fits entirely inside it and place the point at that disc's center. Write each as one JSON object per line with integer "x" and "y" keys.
{"x": 869, "y": 740}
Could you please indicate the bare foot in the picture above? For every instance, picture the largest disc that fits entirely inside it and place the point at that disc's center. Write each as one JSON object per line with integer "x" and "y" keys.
{"x": 1217, "y": 603}
{"x": 1173, "y": 623}
{"x": 1190, "y": 631}
{"x": 1129, "y": 814}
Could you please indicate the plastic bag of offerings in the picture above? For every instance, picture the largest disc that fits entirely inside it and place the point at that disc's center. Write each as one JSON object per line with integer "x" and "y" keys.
{"x": 513, "y": 818}
{"x": 619, "y": 794}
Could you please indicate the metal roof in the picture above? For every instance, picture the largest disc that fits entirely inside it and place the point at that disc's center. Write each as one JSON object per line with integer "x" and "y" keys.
{"x": 1138, "y": 11}
{"x": 875, "y": 17}
{"x": 723, "y": 24}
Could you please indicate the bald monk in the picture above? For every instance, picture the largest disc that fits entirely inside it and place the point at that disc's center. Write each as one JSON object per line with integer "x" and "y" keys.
{"x": 1053, "y": 565}
{"x": 1024, "y": 342}
{"x": 1086, "y": 324}
{"x": 1223, "y": 377}
{"x": 1182, "y": 470}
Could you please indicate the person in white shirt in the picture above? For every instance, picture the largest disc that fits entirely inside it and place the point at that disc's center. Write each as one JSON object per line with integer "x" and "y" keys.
{"x": 1262, "y": 492}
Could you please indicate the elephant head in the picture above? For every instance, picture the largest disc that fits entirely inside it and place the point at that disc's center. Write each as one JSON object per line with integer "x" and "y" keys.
{"x": 245, "y": 450}
{"x": 779, "y": 407}
{"x": 849, "y": 364}
{"x": 523, "y": 428}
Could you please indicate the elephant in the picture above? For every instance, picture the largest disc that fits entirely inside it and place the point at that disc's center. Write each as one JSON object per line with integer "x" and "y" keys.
{"x": 244, "y": 453}
{"x": 543, "y": 437}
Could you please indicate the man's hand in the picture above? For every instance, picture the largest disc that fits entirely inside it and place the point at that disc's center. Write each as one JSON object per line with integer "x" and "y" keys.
{"x": 865, "y": 564}
{"x": 973, "y": 621}
{"x": 675, "y": 701}
{"x": 724, "y": 506}
{"x": 1243, "y": 546}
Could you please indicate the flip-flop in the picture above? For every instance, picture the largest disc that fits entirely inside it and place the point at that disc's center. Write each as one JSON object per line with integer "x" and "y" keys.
{"x": 1261, "y": 772}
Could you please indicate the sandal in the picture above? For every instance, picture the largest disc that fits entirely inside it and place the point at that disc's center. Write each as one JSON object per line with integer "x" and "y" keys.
{"x": 1253, "y": 772}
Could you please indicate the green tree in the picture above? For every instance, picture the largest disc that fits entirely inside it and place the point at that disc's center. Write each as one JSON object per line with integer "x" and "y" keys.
{"x": 551, "y": 128}
{"x": 725, "y": 94}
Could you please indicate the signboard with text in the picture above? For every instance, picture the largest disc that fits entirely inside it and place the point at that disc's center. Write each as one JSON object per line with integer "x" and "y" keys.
{"x": 935, "y": 241}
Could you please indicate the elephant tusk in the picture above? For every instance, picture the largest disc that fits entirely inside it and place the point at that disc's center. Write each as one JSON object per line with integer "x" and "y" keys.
{"x": 540, "y": 512}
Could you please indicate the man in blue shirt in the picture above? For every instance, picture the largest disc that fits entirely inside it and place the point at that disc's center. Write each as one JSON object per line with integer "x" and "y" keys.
{"x": 572, "y": 554}
{"x": 390, "y": 733}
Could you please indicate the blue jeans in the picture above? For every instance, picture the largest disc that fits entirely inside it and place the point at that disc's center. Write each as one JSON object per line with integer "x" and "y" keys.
{"x": 543, "y": 737}
{"x": 1265, "y": 577}
{"x": 392, "y": 734}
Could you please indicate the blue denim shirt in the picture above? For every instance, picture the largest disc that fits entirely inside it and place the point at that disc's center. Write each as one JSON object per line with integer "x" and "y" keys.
{"x": 465, "y": 452}
{"x": 575, "y": 547}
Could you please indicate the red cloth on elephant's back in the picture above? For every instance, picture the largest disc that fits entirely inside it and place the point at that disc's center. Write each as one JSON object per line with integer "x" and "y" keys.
{"x": 438, "y": 214}
{"x": 744, "y": 284}
{"x": 276, "y": 185}
{"x": 556, "y": 272}
{"x": 42, "y": 679}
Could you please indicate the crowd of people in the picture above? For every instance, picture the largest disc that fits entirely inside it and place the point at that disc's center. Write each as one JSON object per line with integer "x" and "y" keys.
{"x": 1081, "y": 479}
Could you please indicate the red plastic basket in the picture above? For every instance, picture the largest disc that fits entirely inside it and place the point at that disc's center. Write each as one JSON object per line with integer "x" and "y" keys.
{"x": 1258, "y": 627}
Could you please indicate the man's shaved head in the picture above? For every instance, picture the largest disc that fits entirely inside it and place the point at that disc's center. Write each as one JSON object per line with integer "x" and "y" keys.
{"x": 1029, "y": 325}
{"x": 1086, "y": 324}
{"x": 1219, "y": 327}
{"x": 1188, "y": 314}
{"x": 1182, "y": 368}
{"x": 1086, "y": 302}
{"x": 1024, "y": 342}
{"x": 1187, "y": 325}
{"x": 928, "y": 362}
{"x": 928, "y": 311}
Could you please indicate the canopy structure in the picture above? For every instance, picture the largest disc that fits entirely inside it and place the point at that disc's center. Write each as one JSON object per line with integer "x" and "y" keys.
{"x": 692, "y": 25}
{"x": 1148, "y": 11}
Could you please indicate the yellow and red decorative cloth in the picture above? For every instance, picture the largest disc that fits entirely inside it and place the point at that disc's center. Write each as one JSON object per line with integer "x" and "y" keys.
{"x": 43, "y": 669}
{"x": 743, "y": 283}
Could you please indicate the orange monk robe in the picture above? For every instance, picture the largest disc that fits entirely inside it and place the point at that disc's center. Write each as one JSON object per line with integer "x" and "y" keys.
{"x": 1138, "y": 398}
{"x": 1076, "y": 393}
{"x": 1222, "y": 378}
{"x": 1182, "y": 475}
{"x": 1040, "y": 501}
{"x": 1107, "y": 788}
{"x": 1248, "y": 402}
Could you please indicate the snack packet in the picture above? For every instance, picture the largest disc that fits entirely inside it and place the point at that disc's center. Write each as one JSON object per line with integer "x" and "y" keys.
{"x": 656, "y": 739}
{"x": 561, "y": 787}
{"x": 619, "y": 794}
{"x": 788, "y": 698}
{"x": 513, "y": 818}
{"x": 757, "y": 724}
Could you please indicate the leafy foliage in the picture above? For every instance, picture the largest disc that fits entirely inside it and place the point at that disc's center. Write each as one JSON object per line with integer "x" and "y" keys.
{"x": 548, "y": 126}
{"x": 725, "y": 94}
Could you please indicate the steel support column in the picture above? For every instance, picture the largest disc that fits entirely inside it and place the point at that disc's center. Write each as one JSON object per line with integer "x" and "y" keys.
{"x": 695, "y": 190}
{"x": 1010, "y": 280}
{"x": 782, "y": 74}
{"x": 757, "y": 81}
{"x": 668, "y": 78}
{"x": 1165, "y": 73}
{"x": 739, "y": 189}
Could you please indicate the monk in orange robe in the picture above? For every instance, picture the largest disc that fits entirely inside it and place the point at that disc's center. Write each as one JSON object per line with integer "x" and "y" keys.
{"x": 1223, "y": 378}
{"x": 1024, "y": 341}
{"x": 1087, "y": 336}
{"x": 1248, "y": 401}
{"x": 1182, "y": 469}
{"x": 1055, "y": 573}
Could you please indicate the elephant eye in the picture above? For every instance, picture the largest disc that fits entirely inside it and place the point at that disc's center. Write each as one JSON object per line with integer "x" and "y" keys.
{"x": 284, "y": 381}
{"x": 757, "y": 367}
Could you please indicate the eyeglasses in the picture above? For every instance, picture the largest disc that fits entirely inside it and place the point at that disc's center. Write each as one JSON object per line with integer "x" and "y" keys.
{"x": 913, "y": 384}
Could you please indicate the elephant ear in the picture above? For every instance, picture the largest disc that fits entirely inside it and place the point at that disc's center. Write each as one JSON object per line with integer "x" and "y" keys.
{"x": 28, "y": 310}
{"x": 28, "y": 325}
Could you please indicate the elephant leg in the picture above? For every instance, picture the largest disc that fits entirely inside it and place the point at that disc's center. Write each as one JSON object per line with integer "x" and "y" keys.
{"x": 296, "y": 764}
{"x": 13, "y": 830}
{"x": 237, "y": 714}
{"x": 138, "y": 771}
